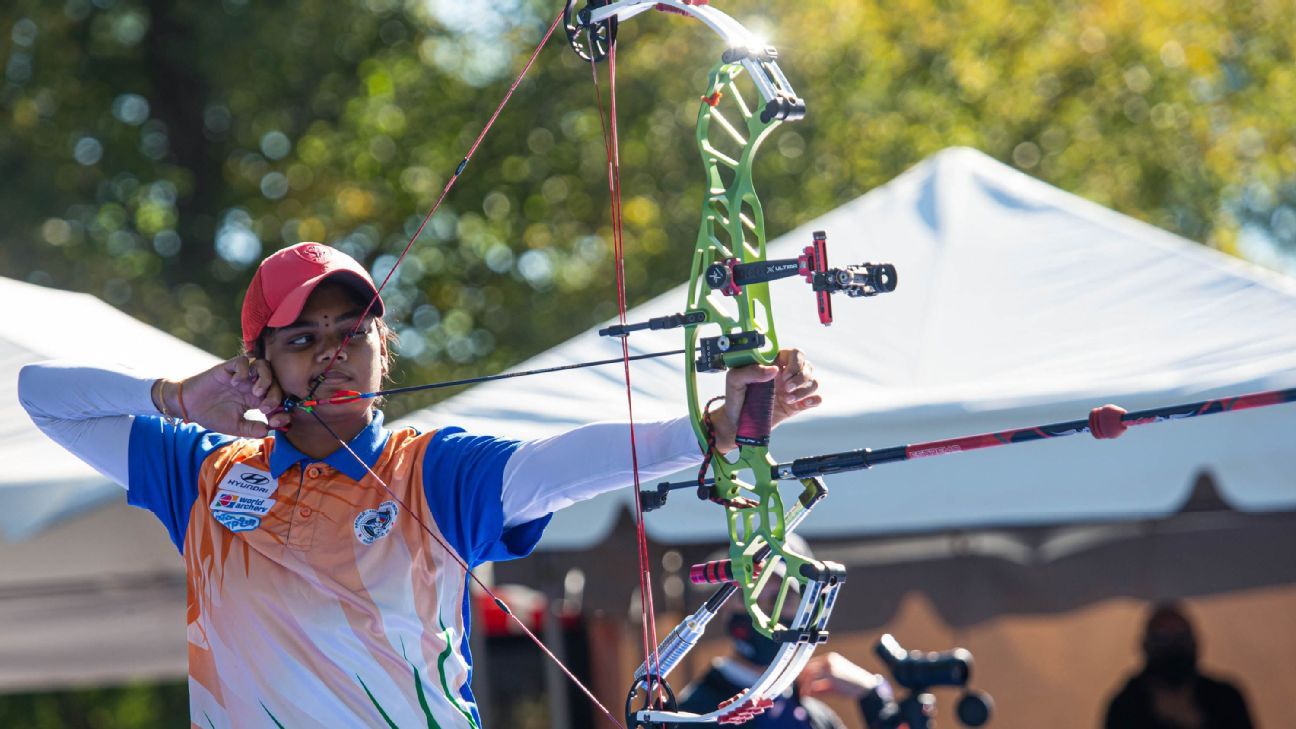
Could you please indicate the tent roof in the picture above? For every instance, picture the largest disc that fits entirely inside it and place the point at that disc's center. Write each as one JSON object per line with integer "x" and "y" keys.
{"x": 41, "y": 482}
{"x": 1017, "y": 304}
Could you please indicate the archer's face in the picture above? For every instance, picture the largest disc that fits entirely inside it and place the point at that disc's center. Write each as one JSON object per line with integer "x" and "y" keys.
{"x": 299, "y": 352}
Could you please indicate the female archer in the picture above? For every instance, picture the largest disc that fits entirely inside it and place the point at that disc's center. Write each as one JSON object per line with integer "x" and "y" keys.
{"x": 326, "y": 554}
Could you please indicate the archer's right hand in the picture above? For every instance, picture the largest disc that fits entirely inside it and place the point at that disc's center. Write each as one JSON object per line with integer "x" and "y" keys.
{"x": 219, "y": 398}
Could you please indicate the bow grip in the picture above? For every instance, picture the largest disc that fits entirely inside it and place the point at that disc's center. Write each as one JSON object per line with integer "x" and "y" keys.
{"x": 756, "y": 418}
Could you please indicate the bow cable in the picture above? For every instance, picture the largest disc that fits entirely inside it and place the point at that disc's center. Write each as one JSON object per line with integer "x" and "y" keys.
{"x": 499, "y": 601}
{"x": 611, "y": 141}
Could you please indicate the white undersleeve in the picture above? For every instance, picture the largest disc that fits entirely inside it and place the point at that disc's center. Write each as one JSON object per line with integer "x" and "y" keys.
{"x": 89, "y": 411}
{"x": 552, "y": 473}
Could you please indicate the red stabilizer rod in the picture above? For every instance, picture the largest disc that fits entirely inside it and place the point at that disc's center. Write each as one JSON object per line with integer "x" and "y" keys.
{"x": 711, "y": 573}
{"x": 1108, "y": 421}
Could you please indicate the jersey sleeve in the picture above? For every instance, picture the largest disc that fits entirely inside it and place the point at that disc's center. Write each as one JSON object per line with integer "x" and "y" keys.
{"x": 164, "y": 461}
{"x": 463, "y": 477}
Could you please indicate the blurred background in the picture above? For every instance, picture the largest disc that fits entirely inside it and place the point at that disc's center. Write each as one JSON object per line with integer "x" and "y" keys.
{"x": 151, "y": 153}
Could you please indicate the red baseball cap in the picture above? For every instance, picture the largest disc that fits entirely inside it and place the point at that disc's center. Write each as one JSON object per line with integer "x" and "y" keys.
{"x": 284, "y": 281}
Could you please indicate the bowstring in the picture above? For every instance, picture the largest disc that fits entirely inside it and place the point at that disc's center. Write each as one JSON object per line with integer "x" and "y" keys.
{"x": 450, "y": 183}
{"x": 648, "y": 615}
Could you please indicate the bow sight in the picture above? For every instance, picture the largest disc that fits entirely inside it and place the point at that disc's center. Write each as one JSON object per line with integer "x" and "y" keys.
{"x": 731, "y": 275}
{"x": 867, "y": 279}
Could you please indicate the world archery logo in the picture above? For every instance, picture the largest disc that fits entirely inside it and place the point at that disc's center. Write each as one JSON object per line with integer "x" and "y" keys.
{"x": 373, "y": 524}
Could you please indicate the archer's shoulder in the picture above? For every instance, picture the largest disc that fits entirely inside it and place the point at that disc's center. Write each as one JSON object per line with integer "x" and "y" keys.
{"x": 225, "y": 451}
{"x": 453, "y": 448}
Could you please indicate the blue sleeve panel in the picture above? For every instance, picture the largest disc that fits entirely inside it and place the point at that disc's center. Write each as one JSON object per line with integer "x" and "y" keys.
{"x": 164, "y": 461}
{"x": 463, "y": 479}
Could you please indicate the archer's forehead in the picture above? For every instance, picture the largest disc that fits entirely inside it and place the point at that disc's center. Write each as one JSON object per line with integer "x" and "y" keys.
{"x": 331, "y": 300}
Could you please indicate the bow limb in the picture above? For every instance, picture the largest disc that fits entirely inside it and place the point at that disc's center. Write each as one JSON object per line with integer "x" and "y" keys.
{"x": 732, "y": 233}
{"x": 738, "y": 324}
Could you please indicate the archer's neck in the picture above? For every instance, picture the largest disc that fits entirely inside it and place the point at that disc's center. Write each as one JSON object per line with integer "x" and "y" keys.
{"x": 313, "y": 439}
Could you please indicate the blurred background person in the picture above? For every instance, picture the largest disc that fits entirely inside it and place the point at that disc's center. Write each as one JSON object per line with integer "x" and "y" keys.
{"x": 1170, "y": 692}
{"x": 752, "y": 653}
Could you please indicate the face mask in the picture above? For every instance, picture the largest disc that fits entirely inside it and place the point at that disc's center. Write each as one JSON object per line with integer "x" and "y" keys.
{"x": 749, "y": 643}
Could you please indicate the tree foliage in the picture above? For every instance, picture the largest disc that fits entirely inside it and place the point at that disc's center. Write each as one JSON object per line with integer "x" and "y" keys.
{"x": 155, "y": 151}
{"x": 144, "y": 706}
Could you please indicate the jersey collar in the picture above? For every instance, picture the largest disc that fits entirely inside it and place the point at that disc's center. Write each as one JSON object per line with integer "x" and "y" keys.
{"x": 368, "y": 444}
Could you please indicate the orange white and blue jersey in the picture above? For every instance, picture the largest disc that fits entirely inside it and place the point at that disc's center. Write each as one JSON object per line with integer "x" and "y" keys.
{"x": 315, "y": 598}
{"x": 382, "y": 636}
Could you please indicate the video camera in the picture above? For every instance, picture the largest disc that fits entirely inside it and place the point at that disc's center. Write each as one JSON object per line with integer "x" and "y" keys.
{"x": 918, "y": 672}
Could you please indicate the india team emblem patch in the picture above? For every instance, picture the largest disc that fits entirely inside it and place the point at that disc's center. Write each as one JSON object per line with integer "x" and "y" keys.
{"x": 373, "y": 524}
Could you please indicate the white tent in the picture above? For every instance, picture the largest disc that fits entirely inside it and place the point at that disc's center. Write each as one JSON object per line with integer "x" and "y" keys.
{"x": 91, "y": 590}
{"x": 42, "y": 483}
{"x": 1018, "y": 304}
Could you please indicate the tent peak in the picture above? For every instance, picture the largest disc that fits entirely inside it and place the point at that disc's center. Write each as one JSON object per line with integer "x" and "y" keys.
{"x": 1205, "y": 496}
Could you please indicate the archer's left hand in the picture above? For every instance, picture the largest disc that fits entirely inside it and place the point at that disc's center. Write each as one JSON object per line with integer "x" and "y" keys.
{"x": 794, "y": 391}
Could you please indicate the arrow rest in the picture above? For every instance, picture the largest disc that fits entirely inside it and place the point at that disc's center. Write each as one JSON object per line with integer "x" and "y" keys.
{"x": 590, "y": 41}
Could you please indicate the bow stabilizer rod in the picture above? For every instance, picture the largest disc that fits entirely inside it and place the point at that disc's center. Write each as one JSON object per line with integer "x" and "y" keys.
{"x": 1106, "y": 422}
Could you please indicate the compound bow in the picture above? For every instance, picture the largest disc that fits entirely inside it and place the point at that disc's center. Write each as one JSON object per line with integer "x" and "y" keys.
{"x": 728, "y": 295}
{"x": 729, "y": 298}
